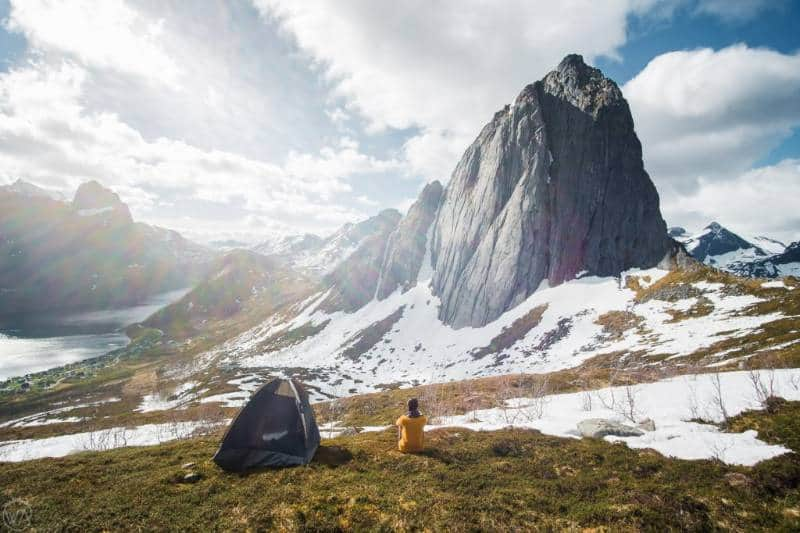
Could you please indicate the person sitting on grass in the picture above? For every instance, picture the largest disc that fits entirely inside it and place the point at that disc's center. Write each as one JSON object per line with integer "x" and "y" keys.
{"x": 411, "y": 429}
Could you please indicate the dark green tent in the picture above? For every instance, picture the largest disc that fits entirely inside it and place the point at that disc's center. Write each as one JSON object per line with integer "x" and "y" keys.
{"x": 275, "y": 428}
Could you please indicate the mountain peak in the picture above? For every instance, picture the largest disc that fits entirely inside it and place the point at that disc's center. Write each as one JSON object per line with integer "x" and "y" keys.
{"x": 92, "y": 199}
{"x": 26, "y": 188}
{"x": 572, "y": 61}
{"x": 521, "y": 206}
{"x": 582, "y": 85}
{"x": 716, "y": 227}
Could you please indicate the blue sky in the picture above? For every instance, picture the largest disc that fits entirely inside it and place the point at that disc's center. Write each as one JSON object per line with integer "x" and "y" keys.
{"x": 250, "y": 118}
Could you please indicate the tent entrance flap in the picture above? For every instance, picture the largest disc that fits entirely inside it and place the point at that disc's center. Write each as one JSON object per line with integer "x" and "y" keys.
{"x": 275, "y": 428}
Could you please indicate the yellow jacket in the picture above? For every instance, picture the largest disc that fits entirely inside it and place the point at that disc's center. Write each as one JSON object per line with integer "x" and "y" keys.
{"x": 412, "y": 433}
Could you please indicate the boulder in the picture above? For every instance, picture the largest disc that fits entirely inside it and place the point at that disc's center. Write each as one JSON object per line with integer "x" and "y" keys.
{"x": 647, "y": 425}
{"x": 597, "y": 428}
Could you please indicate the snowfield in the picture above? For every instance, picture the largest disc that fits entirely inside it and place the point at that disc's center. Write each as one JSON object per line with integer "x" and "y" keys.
{"x": 417, "y": 348}
{"x": 102, "y": 439}
{"x": 673, "y": 405}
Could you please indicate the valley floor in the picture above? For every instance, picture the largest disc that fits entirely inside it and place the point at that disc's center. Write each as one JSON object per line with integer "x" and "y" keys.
{"x": 686, "y": 411}
{"x": 465, "y": 480}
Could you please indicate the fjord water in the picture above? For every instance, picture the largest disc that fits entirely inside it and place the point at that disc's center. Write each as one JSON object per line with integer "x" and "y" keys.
{"x": 33, "y": 342}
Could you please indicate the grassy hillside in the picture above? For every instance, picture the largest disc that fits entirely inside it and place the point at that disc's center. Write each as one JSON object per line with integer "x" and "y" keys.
{"x": 464, "y": 481}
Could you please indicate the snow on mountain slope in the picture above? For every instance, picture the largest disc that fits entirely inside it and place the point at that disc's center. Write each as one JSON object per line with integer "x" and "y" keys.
{"x": 317, "y": 256}
{"x": 751, "y": 256}
{"x": 401, "y": 340}
{"x": 24, "y": 188}
{"x": 770, "y": 246}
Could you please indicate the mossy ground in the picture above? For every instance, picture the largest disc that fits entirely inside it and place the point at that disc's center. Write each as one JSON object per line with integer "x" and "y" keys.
{"x": 465, "y": 481}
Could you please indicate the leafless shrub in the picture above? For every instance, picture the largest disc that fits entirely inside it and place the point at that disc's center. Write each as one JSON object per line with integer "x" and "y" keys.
{"x": 718, "y": 398}
{"x": 609, "y": 399}
{"x": 434, "y": 402}
{"x": 794, "y": 381}
{"x": 506, "y": 391}
{"x": 105, "y": 439}
{"x": 763, "y": 383}
{"x": 586, "y": 400}
{"x": 628, "y": 405}
{"x": 718, "y": 450}
{"x": 694, "y": 405}
{"x": 539, "y": 399}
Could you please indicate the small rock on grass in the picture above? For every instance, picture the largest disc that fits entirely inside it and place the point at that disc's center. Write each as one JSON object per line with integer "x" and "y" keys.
{"x": 187, "y": 466}
{"x": 737, "y": 479}
{"x": 191, "y": 477}
{"x": 597, "y": 428}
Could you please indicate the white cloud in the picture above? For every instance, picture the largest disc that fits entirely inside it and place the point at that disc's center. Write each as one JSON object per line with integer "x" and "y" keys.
{"x": 761, "y": 201}
{"x": 48, "y": 136}
{"x": 705, "y": 114}
{"x": 444, "y": 67}
{"x": 106, "y": 35}
{"x": 735, "y": 10}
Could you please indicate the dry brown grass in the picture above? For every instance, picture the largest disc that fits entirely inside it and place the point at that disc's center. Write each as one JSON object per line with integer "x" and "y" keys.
{"x": 616, "y": 323}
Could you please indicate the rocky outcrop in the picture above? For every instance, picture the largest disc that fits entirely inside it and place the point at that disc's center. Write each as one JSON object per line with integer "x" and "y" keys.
{"x": 407, "y": 244}
{"x": 353, "y": 283}
{"x": 597, "y": 428}
{"x": 553, "y": 186}
{"x": 92, "y": 199}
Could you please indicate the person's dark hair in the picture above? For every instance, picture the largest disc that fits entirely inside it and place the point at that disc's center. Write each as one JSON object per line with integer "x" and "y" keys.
{"x": 413, "y": 406}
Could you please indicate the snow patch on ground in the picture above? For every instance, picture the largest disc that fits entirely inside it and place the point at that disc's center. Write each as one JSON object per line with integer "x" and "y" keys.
{"x": 46, "y": 417}
{"x": 247, "y": 385}
{"x": 670, "y": 403}
{"x": 162, "y": 401}
{"x": 776, "y": 284}
{"x": 103, "y": 439}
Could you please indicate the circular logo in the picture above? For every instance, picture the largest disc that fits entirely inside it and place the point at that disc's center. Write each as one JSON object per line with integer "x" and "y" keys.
{"x": 17, "y": 514}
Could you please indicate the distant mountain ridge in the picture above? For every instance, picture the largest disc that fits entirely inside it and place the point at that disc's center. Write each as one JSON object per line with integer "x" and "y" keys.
{"x": 319, "y": 256}
{"x": 553, "y": 187}
{"x": 758, "y": 256}
{"x": 86, "y": 254}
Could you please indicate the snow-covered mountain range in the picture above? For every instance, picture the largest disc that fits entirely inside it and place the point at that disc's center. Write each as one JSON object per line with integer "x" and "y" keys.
{"x": 318, "y": 256}
{"x": 752, "y": 256}
{"x": 546, "y": 250}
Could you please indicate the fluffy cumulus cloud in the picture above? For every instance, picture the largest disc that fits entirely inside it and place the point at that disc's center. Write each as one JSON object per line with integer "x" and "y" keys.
{"x": 705, "y": 117}
{"x": 711, "y": 114}
{"x": 107, "y": 34}
{"x": 444, "y": 67}
{"x": 49, "y": 137}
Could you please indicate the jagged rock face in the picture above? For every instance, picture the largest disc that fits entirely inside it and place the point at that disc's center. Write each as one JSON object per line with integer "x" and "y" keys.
{"x": 354, "y": 282}
{"x": 554, "y": 185}
{"x": 407, "y": 244}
